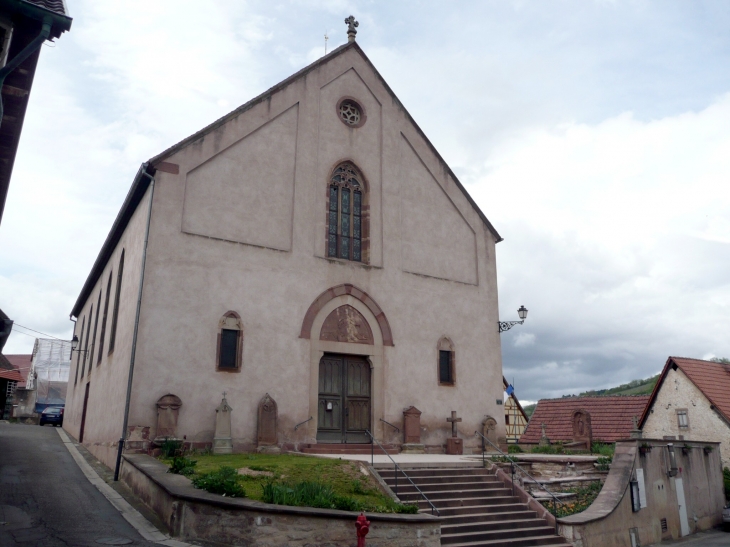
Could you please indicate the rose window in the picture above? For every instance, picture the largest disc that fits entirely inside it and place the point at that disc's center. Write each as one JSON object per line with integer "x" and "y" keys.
{"x": 350, "y": 113}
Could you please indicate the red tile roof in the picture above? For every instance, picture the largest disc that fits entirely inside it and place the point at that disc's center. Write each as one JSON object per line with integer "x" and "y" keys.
{"x": 611, "y": 417}
{"x": 11, "y": 375}
{"x": 21, "y": 363}
{"x": 711, "y": 378}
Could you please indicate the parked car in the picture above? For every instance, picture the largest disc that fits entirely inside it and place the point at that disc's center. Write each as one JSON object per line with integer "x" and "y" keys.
{"x": 52, "y": 415}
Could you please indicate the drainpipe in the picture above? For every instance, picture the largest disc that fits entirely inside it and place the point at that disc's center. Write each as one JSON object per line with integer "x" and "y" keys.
{"x": 141, "y": 173}
{"x": 26, "y": 52}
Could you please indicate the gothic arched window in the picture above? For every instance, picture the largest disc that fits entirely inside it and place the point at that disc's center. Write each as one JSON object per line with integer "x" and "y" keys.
{"x": 345, "y": 213}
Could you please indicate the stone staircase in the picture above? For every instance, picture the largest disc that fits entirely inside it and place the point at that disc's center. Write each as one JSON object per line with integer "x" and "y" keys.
{"x": 348, "y": 449}
{"x": 476, "y": 507}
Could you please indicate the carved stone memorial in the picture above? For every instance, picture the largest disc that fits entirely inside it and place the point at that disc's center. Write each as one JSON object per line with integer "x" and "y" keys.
{"x": 489, "y": 430}
{"x": 635, "y": 433}
{"x": 223, "y": 441}
{"x": 168, "y": 408}
{"x": 582, "y": 431}
{"x": 346, "y": 324}
{"x": 544, "y": 441}
{"x": 454, "y": 445}
{"x": 267, "y": 417}
{"x": 412, "y": 432}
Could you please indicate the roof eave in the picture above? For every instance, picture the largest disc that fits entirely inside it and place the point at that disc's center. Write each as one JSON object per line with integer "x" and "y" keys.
{"x": 135, "y": 195}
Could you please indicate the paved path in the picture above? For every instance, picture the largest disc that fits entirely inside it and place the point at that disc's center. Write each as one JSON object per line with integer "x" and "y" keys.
{"x": 47, "y": 501}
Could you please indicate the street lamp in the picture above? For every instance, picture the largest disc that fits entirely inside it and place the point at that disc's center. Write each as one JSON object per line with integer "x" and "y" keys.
{"x": 75, "y": 344}
{"x": 506, "y": 325}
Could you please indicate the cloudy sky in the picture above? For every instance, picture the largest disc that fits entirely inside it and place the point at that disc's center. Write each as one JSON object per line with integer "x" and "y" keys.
{"x": 595, "y": 135}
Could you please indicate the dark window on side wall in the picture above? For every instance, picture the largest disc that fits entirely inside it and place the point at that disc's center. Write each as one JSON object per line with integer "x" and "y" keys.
{"x": 229, "y": 348}
{"x": 103, "y": 319}
{"x": 446, "y": 372}
{"x": 93, "y": 339}
{"x": 230, "y": 343}
{"x": 79, "y": 352}
{"x": 115, "y": 313}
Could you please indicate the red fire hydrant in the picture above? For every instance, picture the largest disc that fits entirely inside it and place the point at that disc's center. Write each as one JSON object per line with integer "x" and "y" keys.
{"x": 363, "y": 527}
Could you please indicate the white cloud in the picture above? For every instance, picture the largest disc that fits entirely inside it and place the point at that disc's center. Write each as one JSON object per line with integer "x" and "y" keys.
{"x": 524, "y": 339}
{"x": 594, "y": 139}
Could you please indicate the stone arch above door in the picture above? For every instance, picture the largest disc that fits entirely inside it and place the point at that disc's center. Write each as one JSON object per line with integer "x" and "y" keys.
{"x": 346, "y": 290}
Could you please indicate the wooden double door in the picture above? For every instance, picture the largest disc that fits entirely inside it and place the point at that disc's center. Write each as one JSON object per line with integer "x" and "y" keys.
{"x": 344, "y": 399}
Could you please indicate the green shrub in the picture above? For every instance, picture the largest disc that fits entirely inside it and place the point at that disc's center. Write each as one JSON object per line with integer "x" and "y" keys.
{"x": 514, "y": 449}
{"x": 407, "y": 508}
{"x": 726, "y": 481}
{"x": 182, "y": 466}
{"x": 603, "y": 463}
{"x": 357, "y": 488}
{"x": 225, "y": 481}
{"x": 170, "y": 448}
{"x": 603, "y": 449}
{"x": 309, "y": 494}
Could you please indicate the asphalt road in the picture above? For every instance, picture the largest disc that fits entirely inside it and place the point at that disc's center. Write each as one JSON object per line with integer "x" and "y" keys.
{"x": 46, "y": 501}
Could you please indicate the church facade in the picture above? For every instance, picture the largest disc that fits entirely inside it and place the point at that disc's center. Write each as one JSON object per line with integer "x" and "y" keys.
{"x": 311, "y": 245}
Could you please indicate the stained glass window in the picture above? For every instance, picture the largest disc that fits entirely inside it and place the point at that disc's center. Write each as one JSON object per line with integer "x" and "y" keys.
{"x": 344, "y": 217}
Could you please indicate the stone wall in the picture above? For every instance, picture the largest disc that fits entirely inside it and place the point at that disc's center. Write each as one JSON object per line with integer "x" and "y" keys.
{"x": 197, "y": 515}
{"x": 610, "y": 518}
{"x": 704, "y": 424}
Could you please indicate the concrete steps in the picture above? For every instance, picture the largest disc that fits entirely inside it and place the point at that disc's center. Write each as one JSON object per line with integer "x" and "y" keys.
{"x": 477, "y": 508}
{"x": 348, "y": 449}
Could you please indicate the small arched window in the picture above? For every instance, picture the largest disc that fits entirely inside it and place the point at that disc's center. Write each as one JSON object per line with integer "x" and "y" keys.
{"x": 446, "y": 361}
{"x": 345, "y": 213}
{"x": 230, "y": 343}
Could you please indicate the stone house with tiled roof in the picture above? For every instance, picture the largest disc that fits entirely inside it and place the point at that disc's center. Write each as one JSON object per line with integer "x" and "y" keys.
{"x": 690, "y": 402}
{"x": 313, "y": 247}
{"x": 611, "y": 417}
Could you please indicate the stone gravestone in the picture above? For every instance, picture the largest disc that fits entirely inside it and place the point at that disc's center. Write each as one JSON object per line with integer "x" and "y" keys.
{"x": 544, "y": 441}
{"x": 582, "y": 432}
{"x": 635, "y": 433}
{"x": 168, "y": 408}
{"x": 489, "y": 430}
{"x": 454, "y": 445}
{"x": 223, "y": 441}
{"x": 267, "y": 417}
{"x": 412, "y": 432}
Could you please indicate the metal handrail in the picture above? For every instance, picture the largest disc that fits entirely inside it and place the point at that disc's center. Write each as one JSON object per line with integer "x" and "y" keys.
{"x": 514, "y": 464}
{"x": 304, "y": 422}
{"x": 397, "y": 468}
{"x": 391, "y": 425}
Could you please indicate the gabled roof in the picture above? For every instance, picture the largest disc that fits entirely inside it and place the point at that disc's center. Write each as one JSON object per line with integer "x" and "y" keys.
{"x": 141, "y": 182}
{"x": 711, "y": 378}
{"x": 611, "y": 417}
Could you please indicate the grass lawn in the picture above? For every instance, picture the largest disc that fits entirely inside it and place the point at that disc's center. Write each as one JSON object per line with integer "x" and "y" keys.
{"x": 343, "y": 476}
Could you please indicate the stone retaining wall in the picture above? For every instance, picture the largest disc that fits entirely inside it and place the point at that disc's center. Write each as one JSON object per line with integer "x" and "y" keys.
{"x": 197, "y": 515}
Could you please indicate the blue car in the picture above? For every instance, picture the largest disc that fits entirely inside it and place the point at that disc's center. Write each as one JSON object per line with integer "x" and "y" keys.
{"x": 52, "y": 415}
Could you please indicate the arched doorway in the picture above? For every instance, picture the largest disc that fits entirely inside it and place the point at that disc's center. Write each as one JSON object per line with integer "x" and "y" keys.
{"x": 347, "y": 333}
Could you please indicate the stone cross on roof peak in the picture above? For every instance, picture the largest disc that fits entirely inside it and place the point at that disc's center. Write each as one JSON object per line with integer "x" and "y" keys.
{"x": 351, "y": 26}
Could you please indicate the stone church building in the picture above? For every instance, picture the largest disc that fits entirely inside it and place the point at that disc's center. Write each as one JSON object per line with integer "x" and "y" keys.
{"x": 311, "y": 245}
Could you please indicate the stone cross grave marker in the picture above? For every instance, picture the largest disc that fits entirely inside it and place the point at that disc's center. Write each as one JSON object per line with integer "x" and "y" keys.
{"x": 454, "y": 420}
{"x": 454, "y": 445}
